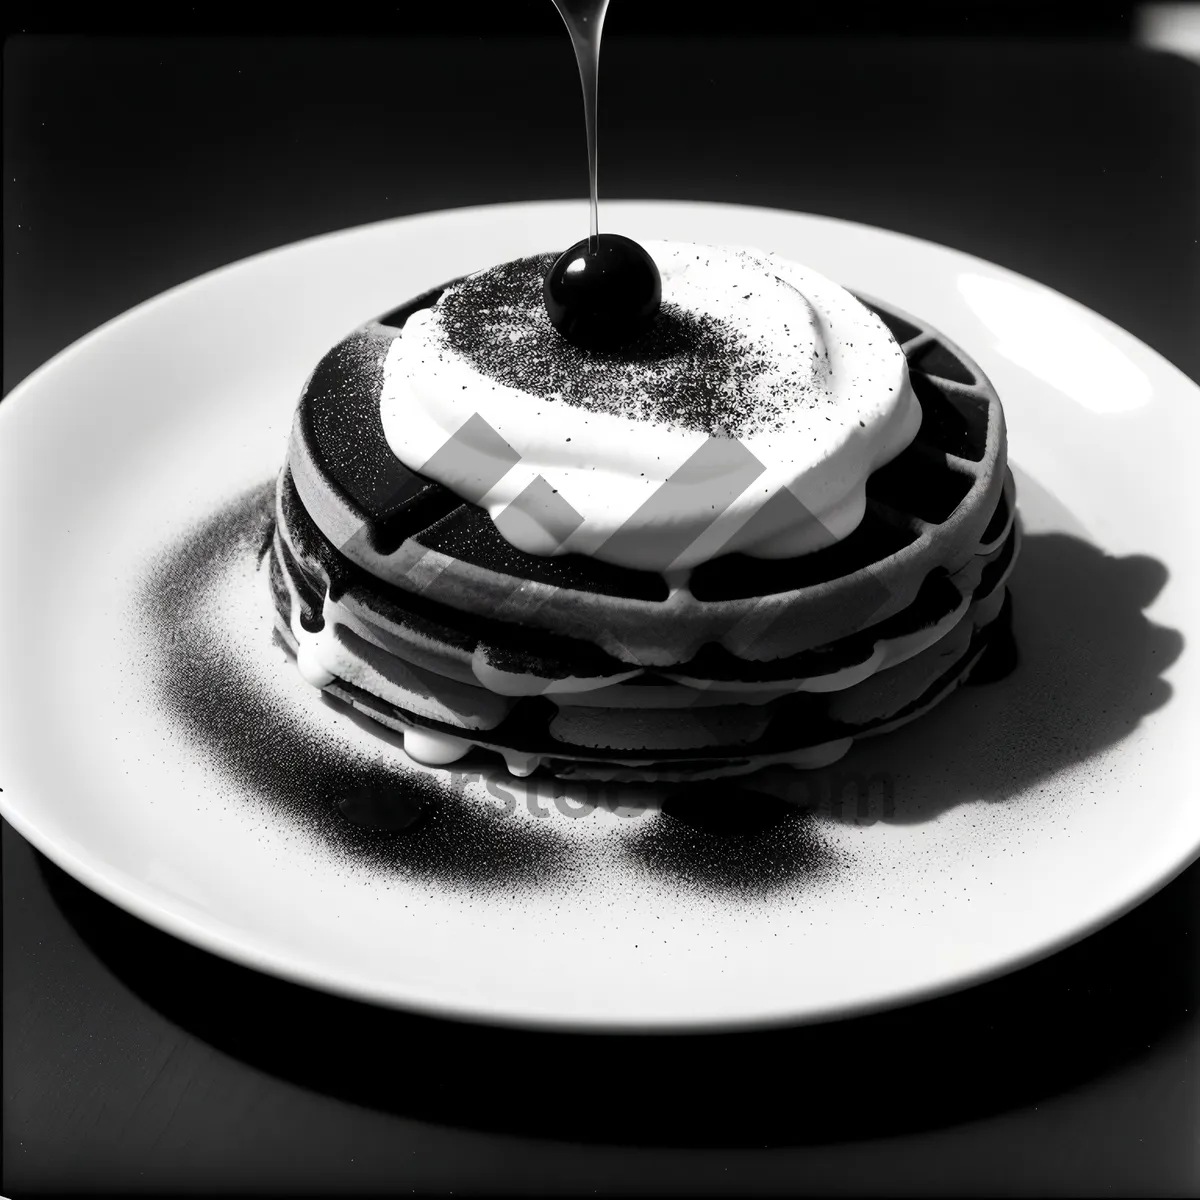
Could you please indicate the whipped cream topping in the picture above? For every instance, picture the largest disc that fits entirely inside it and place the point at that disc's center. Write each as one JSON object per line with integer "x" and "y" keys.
{"x": 747, "y": 419}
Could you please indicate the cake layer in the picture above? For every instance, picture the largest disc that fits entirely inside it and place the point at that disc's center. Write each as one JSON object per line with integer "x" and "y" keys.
{"x": 801, "y": 730}
{"x": 929, "y": 508}
{"x": 511, "y": 659}
{"x": 637, "y": 716}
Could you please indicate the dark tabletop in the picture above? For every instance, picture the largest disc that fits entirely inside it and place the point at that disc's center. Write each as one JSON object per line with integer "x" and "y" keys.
{"x": 133, "y": 1062}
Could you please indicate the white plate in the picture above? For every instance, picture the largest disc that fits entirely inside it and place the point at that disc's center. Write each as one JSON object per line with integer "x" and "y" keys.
{"x": 198, "y": 791}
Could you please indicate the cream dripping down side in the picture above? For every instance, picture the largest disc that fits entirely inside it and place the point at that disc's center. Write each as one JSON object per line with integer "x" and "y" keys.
{"x": 819, "y": 395}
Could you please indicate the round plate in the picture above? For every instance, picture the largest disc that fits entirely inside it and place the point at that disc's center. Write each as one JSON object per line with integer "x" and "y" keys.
{"x": 157, "y": 744}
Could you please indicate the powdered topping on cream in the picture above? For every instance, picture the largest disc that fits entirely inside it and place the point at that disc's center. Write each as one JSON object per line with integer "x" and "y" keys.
{"x": 748, "y": 418}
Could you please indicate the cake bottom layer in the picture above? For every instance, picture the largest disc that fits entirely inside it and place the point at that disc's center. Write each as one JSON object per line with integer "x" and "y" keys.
{"x": 689, "y": 742}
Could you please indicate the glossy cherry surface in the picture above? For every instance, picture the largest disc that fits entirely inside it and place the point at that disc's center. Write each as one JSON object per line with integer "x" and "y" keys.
{"x": 604, "y": 297}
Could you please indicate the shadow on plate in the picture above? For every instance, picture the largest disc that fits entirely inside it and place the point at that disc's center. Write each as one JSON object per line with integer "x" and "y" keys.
{"x": 1090, "y": 669}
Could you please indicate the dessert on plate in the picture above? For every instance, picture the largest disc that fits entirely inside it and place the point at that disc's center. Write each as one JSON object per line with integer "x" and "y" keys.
{"x": 776, "y": 517}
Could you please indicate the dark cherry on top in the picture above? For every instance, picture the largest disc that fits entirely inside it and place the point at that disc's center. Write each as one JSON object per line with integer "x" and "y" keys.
{"x": 603, "y": 294}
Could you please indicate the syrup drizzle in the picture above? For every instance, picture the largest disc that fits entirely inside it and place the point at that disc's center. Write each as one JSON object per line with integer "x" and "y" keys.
{"x": 584, "y": 20}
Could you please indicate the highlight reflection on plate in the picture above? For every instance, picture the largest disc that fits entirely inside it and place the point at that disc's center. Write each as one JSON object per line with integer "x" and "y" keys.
{"x": 158, "y": 744}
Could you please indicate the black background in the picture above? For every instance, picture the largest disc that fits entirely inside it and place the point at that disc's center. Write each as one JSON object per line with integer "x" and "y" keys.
{"x": 521, "y": 18}
{"x": 133, "y": 1062}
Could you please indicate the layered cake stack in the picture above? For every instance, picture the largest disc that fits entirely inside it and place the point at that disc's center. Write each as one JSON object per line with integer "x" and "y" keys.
{"x": 779, "y": 520}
